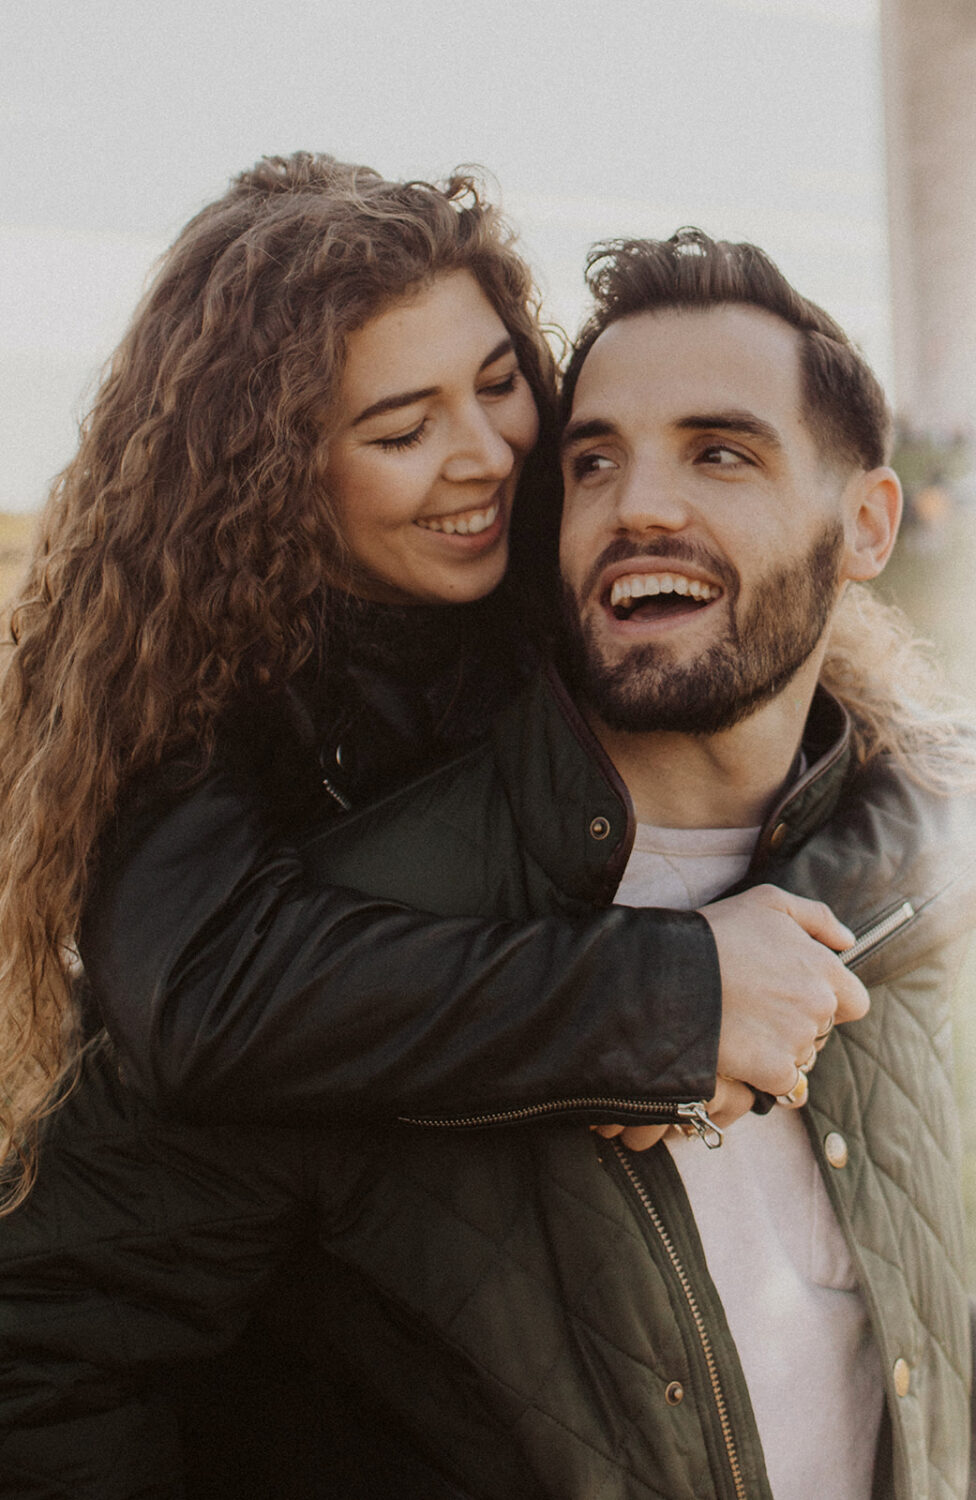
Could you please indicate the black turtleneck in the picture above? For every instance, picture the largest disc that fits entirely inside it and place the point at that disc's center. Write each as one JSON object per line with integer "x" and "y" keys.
{"x": 395, "y": 690}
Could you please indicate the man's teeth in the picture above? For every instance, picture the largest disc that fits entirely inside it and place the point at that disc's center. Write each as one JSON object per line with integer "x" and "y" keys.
{"x": 470, "y": 523}
{"x": 645, "y": 585}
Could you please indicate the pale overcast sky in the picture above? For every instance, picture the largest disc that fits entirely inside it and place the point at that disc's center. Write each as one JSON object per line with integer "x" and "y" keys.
{"x": 756, "y": 119}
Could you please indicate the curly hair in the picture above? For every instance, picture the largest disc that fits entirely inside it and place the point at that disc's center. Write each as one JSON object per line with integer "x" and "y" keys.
{"x": 188, "y": 553}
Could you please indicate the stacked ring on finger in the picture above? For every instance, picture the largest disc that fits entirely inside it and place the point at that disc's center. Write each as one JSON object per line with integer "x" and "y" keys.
{"x": 797, "y": 1095}
{"x": 822, "y": 1036}
{"x": 808, "y": 1061}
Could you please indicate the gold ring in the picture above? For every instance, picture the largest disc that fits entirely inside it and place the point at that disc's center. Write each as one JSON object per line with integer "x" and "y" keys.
{"x": 808, "y": 1062}
{"x": 822, "y": 1036}
{"x": 797, "y": 1096}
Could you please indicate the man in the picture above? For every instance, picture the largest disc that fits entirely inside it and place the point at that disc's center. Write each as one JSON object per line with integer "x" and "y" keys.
{"x": 544, "y": 1312}
{"x": 785, "y": 1315}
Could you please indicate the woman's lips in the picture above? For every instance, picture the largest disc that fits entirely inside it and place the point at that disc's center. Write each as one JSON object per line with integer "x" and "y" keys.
{"x": 463, "y": 522}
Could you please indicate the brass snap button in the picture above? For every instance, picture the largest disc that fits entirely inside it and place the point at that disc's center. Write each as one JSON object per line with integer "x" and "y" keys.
{"x": 599, "y": 828}
{"x": 835, "y": 1149}
{"x": 675, "y": 1393}
{"x": 778, "y": 836}
{"x": 903, "y": 1377}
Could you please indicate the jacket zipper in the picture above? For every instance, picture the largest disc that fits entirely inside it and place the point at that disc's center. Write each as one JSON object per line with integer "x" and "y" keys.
{"x": 708, "y": 1351}
{"x": 879, "y": 933}
{"x": 693, "y": 1115}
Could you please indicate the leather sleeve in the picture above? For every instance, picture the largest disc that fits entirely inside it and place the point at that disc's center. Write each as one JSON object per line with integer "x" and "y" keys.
{"x": 237, "y": 989}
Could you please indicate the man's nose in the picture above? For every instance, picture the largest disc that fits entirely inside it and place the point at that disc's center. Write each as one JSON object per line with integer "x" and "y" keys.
{"x": 651, "y": 498}
{"x": 478, "y": 450}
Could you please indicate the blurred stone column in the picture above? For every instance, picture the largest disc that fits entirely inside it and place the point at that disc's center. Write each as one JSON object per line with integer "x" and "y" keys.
{"x": 929, "y": 57}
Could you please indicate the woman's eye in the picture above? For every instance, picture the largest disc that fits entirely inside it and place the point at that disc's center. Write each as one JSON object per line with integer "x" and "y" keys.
{"x": 503, "y": 387}
{"x": 404, "y": 440}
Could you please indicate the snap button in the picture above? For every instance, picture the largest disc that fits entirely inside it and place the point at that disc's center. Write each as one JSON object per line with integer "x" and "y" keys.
{"x": 903, "y": 1377}
{"x": 835, "y": 1149}
{"x": 599, "y": 828}
{"x": 777, "y": 836}
{"x": 675, "y": 1393}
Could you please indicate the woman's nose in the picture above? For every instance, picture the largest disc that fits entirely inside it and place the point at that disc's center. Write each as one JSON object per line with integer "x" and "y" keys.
{"x": 479, "y": 451}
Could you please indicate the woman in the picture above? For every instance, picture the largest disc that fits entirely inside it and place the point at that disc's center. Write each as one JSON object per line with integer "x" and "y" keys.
{"x": 269, "y": 587}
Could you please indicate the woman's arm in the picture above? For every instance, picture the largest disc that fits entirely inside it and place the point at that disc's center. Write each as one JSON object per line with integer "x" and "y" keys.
{"x": 237, "y": 988}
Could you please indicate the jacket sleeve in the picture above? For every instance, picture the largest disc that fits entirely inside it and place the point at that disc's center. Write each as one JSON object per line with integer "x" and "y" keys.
{"x": 238, "y": 989}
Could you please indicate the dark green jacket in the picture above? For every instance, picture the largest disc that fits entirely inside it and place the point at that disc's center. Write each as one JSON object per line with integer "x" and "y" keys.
{"x": 530, "y": 1302}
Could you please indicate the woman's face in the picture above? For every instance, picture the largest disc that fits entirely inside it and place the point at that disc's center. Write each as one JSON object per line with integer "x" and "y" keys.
{"x": 435, "y": 422}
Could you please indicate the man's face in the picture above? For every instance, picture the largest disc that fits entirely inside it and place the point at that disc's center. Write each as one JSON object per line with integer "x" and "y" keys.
{"x": 702, "y": 531}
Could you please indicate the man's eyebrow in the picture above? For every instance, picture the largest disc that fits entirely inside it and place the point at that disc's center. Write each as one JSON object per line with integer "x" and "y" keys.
{"x": 407, "y": 398}
{"x": 581, "y": 432}
{"x": 732, "y": 421}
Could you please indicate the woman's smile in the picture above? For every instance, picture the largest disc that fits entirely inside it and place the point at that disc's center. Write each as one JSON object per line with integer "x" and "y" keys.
{"x": 462, "y": 523}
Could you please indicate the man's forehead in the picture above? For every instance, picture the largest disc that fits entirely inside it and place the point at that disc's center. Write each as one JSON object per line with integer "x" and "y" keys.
{"x": 652, "y": 364}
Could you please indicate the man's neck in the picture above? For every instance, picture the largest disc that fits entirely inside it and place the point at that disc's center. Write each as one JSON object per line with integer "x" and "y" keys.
{"x": 726, "y": 780}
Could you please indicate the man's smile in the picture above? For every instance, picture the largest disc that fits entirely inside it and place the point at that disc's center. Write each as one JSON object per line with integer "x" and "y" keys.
{"x": 652, "y": 595}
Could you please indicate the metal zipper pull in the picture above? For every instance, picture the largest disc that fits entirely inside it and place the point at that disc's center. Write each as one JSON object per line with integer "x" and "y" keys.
{"x": 877, "y": 933}
{"x": 695, "y": 1117}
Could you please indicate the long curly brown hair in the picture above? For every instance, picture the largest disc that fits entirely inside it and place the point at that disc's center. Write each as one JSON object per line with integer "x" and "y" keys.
{"x": 188, "y": 552}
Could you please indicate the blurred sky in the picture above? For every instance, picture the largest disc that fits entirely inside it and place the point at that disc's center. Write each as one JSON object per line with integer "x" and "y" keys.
{"x": 757, "y": 119}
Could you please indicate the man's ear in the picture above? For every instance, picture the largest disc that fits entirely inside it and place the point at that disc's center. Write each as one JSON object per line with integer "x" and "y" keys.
{"x": 872, "y": 503}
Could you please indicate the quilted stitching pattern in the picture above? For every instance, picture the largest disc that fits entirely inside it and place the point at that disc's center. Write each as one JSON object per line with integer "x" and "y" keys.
{"x": 884, "y": 1083}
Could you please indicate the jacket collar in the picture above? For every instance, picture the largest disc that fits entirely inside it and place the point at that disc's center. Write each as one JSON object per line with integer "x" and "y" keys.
{"x": 575, "y": 814}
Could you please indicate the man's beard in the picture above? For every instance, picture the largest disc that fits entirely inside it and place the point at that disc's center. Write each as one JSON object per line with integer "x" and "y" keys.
{"x": 758, "y": 655}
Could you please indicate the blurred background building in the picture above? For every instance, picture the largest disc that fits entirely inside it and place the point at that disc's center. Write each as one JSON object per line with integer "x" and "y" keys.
{"x": 929, "y": 57}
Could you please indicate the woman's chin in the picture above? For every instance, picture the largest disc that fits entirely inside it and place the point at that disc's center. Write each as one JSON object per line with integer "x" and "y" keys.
{"x": 438, "y": 584}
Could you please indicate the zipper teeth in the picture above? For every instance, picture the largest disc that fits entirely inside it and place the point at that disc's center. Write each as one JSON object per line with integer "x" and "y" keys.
{"x": 334, "y": 792}
{"x": 878, "y": 932}
{"x": 553, "y": 1106}
{"x": 707, "y": 1350}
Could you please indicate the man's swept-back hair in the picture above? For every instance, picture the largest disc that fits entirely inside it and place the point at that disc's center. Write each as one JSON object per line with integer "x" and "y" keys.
{"x": 844, "y": 403}
{"x": 887, "y": 679}
{"x": 188, "y": 553}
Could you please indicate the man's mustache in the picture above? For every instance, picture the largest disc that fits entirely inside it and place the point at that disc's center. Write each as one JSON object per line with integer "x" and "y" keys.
{"x": 675, "y": 549}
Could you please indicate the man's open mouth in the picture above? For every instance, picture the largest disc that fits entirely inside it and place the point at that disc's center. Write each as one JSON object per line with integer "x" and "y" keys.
{"x": 658, "y": 595}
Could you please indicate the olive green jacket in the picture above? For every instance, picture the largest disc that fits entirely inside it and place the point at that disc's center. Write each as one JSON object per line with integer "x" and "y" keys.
{"x": 534, "y": 1306}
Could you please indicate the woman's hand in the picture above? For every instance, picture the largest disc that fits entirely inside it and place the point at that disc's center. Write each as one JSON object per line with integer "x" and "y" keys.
{"x": 782, "y": 985}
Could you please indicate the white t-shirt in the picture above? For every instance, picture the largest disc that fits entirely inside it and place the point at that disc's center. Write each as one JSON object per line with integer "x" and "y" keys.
{"x": 772, "y": 1242}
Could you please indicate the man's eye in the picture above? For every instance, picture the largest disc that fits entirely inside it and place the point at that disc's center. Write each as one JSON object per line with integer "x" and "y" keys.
{"x": 404, "y": 440}
{"x": 589, "y": 463}
{"x": 721, "y": 456}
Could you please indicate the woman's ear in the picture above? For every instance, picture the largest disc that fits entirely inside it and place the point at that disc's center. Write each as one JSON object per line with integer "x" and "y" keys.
{"x": 872, "y": 516}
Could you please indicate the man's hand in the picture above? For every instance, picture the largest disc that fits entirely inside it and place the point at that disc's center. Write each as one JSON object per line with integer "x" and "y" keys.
{"x": 731, "y": 1101}
{"x": 782, "y": 986}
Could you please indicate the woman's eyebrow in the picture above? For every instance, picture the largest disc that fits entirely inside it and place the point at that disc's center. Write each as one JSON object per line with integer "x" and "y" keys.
{"x": 407, "y": 398}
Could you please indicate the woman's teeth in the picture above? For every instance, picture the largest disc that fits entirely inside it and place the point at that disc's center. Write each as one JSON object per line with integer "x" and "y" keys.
{"x": 468, "y": 523}
{"x": 626, "y": 591}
